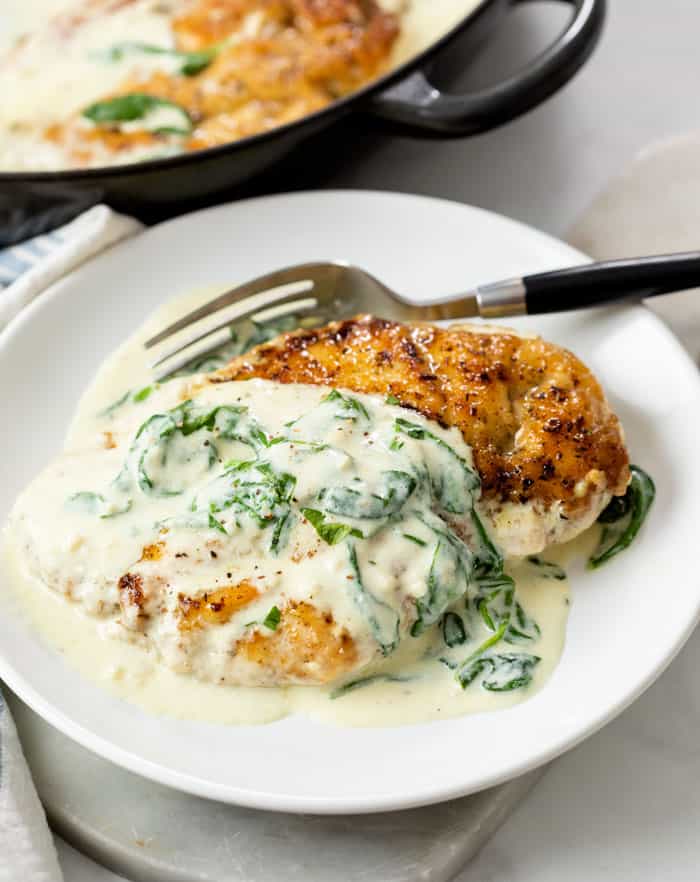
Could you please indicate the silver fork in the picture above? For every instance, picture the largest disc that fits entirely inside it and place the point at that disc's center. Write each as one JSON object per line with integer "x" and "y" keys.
{"x": 337, "y": 290}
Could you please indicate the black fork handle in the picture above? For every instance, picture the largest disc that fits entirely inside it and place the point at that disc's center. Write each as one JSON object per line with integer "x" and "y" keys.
{"x": 590, "y": 284}
{"x": 597, "y": 283}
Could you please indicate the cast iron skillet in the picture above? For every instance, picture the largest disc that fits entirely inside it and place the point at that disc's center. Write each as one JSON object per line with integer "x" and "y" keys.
{"x": 404, "y": 99}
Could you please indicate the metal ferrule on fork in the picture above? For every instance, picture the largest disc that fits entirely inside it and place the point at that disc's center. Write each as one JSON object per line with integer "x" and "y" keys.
{"x": 502, "y": 299}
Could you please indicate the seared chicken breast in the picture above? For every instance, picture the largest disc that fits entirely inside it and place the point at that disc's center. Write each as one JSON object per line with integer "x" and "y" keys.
{"x": 548, "y": 449}
{"x": 251, "y": 527}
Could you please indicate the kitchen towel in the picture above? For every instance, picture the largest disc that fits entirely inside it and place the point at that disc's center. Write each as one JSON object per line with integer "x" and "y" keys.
{"x": 28, "y": 269}
{"x": 27, "y": 852}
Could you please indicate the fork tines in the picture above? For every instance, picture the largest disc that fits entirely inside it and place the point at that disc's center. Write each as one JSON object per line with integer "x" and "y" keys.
{"x": 259, "y": 300}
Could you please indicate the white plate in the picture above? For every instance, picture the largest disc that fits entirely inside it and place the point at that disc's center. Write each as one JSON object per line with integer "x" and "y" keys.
{"x": 627, "y": 621}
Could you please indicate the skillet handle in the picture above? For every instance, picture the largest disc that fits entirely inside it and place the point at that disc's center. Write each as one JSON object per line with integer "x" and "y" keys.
{"x": 422, "y": 109}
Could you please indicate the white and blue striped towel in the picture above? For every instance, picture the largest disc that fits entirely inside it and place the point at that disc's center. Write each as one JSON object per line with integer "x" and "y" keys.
{"x": 26, "y": 848}
{"x": 28, "y": 269}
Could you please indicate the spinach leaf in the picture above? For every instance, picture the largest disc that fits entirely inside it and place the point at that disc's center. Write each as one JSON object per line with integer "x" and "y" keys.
{"x": 191, "y": 63}
{"x": 195, "y": 62}
{"x": 94, "y": 503}
{"x": 488, "y": 559}
{"x": 250, "y": 487}
{"x": 548, "y": 570}
{"x": 139, "y": 106}
{"x": 223, "y": 419}
{"x": 453, "y": 568}
{"x": 414, "y": 539}
{"x": 280, "y": 534}
{"x": 508, "y": 671}
{"x": 215, "y": 524}
{"x": 330, "y": 533}
{"x": 522, "y": 628}
{"x": 622, "y": 520}
{"x": 156, "y": 433}
{"x": 85, "y": 501}
{"x": 466, "y": 669}
{"x": 382, "y": 619}
{"x": 345, "y": 406}
{"x": 447, "y": 581}
{"x": 311, "y": 446}
{"x": 114, "y": 511}
{"x": 235, "y": 424}
{"x": 142, "y": 394}
{"x": 453, "y": 630}
{"x": 495, "y": 603}
{"x": 455, "y": 485}
{"x": 272, "y": 619}
{"x": 618, "y": 508}
{"x": 152, "y": 437}
{"x": 358, "y": 502}
{"x": 136, "y": 397}
{"x": 115, "y": 405}
{"x": 367, "y": 681}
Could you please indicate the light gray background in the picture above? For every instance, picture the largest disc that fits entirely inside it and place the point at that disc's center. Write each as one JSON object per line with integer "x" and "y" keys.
{"x": 625, "y": 805}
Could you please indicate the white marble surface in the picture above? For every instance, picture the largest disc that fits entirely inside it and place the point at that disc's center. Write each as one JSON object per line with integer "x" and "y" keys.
{"x": 624, "y": 805}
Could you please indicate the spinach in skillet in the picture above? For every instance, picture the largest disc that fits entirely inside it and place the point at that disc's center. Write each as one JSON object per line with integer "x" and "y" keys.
{"x": 188, "y": 63}
{"x": 156, "y": 115}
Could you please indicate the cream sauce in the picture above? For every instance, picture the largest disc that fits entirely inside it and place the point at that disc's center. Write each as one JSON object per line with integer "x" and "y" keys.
{"x": 132, "y": 673}
{"x": 427, "y": 689}
{"x": 59, "y": 70}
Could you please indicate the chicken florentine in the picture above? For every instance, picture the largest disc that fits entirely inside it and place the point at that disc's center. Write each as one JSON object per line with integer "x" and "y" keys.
{"x": 298, "y": 515}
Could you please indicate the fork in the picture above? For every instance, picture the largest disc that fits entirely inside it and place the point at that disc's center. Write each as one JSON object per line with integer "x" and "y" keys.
{"x": 317, "y": 292}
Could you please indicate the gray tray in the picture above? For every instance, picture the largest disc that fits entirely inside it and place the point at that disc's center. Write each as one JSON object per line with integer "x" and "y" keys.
{"x": 150, "y": 833}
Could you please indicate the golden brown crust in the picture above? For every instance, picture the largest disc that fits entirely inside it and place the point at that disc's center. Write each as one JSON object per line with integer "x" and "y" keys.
{"x": 536, "y": 418}
{"x": 215, "y": 607}
{"x": 307, "y": 645}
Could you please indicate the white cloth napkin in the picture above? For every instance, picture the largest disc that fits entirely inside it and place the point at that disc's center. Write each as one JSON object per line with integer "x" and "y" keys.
{"x": 27, "y": 852}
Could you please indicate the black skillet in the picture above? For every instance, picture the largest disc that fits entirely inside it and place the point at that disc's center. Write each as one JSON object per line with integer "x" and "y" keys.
{"x": 33, "y": 202}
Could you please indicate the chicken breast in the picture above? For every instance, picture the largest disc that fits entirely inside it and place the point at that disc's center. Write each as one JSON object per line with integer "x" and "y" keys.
{"x": 548, "y": 449}
{"x": 251, "y": 527}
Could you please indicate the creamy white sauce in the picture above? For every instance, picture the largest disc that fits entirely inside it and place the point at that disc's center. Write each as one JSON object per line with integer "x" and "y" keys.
{"x": 58, "y": 70}
{"x": 131, "y": 673}
{"x": 423, "y": 22}
{"x": 337, "y": 457}
{"x": 132, "y": 668}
